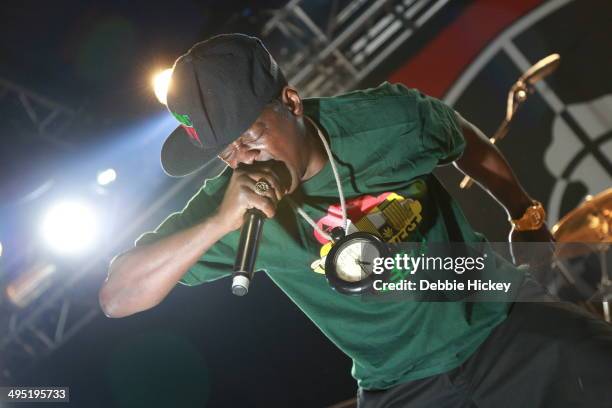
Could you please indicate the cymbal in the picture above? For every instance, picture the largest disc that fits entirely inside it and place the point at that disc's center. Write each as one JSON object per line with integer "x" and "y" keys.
{"x": 590, "y": 222}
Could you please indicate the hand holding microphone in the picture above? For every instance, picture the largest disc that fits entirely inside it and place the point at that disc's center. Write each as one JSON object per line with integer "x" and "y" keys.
{"x": 251, "y": 196}
{"x": 240, "y": 195}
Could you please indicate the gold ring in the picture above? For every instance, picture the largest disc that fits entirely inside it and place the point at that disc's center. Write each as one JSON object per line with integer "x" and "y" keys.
{"x": 261, "y": 187}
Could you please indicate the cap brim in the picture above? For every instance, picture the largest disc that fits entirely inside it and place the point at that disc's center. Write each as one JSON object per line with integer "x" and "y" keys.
{"x": 180, "y": 157}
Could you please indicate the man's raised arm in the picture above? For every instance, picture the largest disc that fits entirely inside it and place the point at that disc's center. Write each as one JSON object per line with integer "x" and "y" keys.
{"x": 482, "y": 161}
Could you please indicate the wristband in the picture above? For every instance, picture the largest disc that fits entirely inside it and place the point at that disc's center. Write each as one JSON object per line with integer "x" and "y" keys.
{"x": 532, "y": 219}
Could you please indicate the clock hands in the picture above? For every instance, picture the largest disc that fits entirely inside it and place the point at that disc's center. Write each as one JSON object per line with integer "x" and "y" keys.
{"x": 361, "y": 265}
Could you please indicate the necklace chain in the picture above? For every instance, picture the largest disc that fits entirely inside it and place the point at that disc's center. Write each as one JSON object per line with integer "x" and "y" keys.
{"x": 301, "y": 211}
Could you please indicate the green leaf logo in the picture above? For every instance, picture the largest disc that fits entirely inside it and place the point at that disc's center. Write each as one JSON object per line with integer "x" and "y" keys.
{"x": 183, "y": 119}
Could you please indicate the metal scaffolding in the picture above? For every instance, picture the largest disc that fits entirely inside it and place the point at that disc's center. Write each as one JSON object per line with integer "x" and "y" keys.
{"x": 322, "y": 51}
{"x": 33, "y": 332}
{"x": 32, "y": 116}
{"x": 44, "y": 118}
{"x": 325, "y": 52}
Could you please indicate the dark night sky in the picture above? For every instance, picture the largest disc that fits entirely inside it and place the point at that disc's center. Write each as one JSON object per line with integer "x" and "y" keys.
{"x": 99, "y": 53}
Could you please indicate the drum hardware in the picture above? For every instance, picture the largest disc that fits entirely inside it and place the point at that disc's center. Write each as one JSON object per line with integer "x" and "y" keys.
{"x": 591, "y": 224}
{"x": 517, "y": 95}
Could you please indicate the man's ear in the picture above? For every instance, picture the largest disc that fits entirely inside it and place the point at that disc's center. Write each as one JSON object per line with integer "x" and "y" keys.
{"x": 291, "y": 99}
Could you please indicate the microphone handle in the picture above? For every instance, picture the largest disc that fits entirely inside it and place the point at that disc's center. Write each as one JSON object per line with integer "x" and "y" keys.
{"x": 247, "y": 251}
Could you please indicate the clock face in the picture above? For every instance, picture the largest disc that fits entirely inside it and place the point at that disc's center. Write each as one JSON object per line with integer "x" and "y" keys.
{"x": 354, "y": 259}
{"x": 350, "y": 263}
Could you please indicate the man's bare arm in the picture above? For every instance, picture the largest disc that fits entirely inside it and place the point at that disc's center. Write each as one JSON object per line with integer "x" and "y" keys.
{"x": 142, "y": 277}
{"x": 482, "y": 161}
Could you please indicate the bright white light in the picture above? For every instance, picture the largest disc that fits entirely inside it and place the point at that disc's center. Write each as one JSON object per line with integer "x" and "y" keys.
{"x": 161, "y": 83}
{"x": 0, "y": 248}
{"x": 69, "y": 227}
{"x": 106, "y": 177}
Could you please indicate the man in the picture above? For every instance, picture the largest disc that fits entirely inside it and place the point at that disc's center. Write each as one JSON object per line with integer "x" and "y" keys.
{"x": 236, "y": 110}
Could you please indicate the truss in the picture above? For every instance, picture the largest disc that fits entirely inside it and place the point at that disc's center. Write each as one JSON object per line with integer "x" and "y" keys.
{"x": 36, "y": 114}
{"x": 35, "y": 331}
{"x": 324, "y": 52}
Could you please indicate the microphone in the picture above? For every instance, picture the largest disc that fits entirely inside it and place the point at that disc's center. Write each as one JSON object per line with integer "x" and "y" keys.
{"x": 247, "y": 251}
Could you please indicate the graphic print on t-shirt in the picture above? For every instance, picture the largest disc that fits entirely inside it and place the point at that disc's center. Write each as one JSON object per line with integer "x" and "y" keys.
{"x": 389, "y": 216}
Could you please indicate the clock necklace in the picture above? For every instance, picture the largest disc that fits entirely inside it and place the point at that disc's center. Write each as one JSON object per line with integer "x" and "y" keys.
{"x": 349, "y": 265}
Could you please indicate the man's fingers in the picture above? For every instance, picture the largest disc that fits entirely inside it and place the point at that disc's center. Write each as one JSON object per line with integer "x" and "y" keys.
{"x": 271, "y": 178}
{"x": 264, "y": 203}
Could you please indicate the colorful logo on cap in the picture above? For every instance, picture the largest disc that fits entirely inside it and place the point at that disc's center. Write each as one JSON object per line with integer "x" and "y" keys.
{"x": 186, "y": 124}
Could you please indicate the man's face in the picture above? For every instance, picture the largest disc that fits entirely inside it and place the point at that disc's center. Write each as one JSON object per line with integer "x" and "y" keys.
{"x": 277, "y": 135}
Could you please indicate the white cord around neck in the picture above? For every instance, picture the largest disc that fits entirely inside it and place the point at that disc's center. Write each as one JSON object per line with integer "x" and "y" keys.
{"x": 338, "y": 184}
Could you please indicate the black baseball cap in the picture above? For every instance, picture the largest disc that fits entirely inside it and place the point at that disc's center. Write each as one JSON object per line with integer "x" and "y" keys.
{"x": 217, "y": 90}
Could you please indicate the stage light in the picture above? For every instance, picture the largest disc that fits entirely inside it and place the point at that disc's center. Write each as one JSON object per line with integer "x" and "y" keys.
{"x": 0, "y": 248}
{"x": 106, "y": 177}
{"x": 161, "y": 82}
{"x": 69, "y": 227}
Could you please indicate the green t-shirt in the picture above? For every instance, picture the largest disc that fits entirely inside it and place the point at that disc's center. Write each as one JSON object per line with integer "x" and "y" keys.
{"x": 386, "y": 142}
